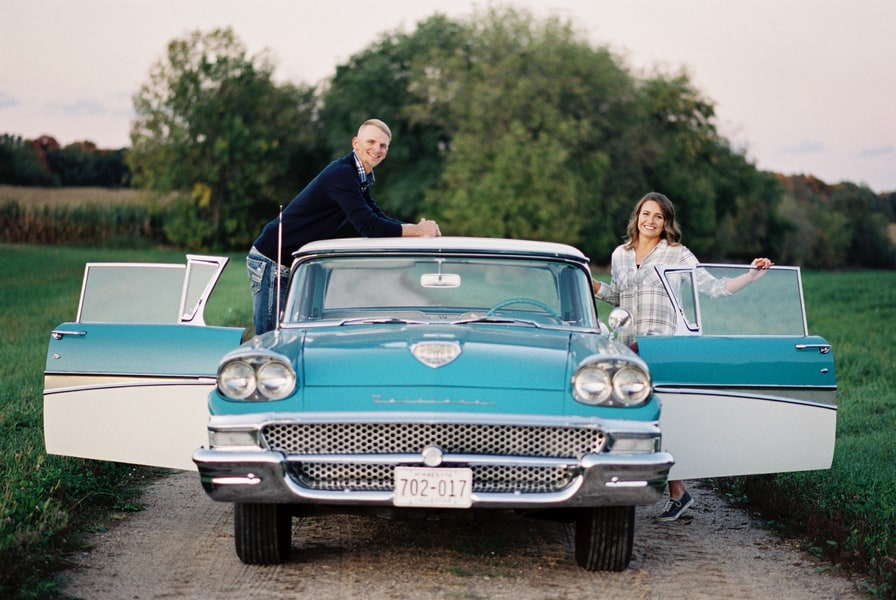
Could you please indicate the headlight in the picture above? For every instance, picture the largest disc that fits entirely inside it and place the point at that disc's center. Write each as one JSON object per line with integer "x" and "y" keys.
{"x": 591, "y": 385}
{"x": 631, "y": 386}
{"x": 611, "y": 382}
{"x": 237, "y": 380}
{"x": 275, "y": 380}
{"x": 256, "y": 378}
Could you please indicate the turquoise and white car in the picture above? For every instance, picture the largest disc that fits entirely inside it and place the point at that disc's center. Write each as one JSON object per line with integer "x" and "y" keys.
{"x": 454, "y": 376}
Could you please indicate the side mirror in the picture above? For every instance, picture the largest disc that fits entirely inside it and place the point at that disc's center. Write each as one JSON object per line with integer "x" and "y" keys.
{"x": 619, "y": 318}
{"x": 622, "y": 327}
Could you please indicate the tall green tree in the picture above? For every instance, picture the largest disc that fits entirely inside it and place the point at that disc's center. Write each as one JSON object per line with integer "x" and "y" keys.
{"x": 400, "y": 79}
{"x": 20, "y": 163}
{"x": 511, "y": 126}
{"x": 728, "y": 209}
{"x": 538, "y": 120}
{"x": 864, "y": 212}
{"x": 213, "y": 125}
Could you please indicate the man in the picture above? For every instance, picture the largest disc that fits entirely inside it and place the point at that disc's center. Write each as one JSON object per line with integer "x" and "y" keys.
{"x": 339, "y": 194}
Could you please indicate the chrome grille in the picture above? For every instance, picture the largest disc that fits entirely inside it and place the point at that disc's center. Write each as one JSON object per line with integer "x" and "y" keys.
{"x": 452, "y": 438}
{"x": 371, "y": 439}
{"x": 379, "y": 478}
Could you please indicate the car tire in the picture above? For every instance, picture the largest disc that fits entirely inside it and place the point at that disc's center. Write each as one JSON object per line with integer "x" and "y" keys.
{"x": 262, "y": 533}
{"x": 604, "y": 537}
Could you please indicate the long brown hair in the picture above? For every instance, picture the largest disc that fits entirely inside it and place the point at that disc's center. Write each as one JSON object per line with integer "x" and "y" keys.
{"x": 671, "y": 232}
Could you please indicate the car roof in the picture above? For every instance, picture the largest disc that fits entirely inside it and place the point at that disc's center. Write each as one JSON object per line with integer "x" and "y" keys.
{"x": 447, "y": 244}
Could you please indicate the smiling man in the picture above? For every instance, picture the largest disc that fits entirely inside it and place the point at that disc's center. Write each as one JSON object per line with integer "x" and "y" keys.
{"x": 339, "y": 194}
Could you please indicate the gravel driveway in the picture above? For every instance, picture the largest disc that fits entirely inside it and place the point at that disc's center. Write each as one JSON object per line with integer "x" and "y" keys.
{"x": 181, "y": 546}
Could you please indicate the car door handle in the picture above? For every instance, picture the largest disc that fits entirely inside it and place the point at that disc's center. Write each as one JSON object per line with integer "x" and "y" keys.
{"x": 58, "y": 334}
{"x": 822, "y": 348}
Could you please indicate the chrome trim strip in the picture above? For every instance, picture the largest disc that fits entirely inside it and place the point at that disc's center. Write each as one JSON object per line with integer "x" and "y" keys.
{"x": 611, "y": 427}
{"x": 58, "y": 383}
{"x": 417, "y": 459}
{"x": 750, "y": 392}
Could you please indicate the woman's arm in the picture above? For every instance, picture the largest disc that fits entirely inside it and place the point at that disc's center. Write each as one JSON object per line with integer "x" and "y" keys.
{"x": 759, "y": 267}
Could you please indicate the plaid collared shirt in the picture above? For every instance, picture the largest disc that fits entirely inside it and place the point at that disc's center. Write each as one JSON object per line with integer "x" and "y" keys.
{"x": 366, "y": 180}
{"x": 639, "y": 290}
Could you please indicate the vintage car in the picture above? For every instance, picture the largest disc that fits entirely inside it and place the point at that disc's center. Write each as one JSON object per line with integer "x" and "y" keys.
{"x": 445, "y": 377}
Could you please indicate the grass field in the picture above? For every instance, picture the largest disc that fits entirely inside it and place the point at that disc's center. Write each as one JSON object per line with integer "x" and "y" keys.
{"x": 847, "y": 513}
{"x": 46, "y": 500}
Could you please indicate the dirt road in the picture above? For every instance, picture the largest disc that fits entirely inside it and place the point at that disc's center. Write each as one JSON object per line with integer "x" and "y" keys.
{"x": 181, "y": 546}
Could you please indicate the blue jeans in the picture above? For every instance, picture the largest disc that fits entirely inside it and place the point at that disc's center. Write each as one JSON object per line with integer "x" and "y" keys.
{"x": 263, "y": 280}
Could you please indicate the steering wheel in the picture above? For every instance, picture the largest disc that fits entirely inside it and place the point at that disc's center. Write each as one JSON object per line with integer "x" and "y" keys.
{"x": 491, "y": 312}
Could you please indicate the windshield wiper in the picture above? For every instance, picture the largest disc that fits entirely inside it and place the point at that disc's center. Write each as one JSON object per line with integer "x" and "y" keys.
{"x": 497, "y": 320}
{"x": 378, "y": 321}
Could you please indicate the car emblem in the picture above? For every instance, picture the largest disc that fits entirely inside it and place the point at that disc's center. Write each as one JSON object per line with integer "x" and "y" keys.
{"x": 432, "y": 456}
{"x": 435, "y": 354}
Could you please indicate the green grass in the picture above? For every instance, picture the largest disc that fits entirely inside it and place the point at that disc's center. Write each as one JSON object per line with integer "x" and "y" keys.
{"x": 45, "y": 500}
{"x": 847, "y": 513}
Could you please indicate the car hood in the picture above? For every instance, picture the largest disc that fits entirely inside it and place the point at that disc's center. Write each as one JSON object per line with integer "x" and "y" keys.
{"x": 490, "y": 356}
{"x": 501, "y": 368}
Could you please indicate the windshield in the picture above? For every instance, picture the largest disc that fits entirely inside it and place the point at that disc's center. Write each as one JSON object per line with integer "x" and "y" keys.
{"x": 451, "y": 289}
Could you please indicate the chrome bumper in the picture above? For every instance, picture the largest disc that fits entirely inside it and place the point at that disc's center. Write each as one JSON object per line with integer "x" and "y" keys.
{"x": 606, "y": 479}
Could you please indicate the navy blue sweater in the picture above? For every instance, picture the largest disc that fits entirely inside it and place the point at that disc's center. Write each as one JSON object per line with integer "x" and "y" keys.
{"x": 332, "y": 199}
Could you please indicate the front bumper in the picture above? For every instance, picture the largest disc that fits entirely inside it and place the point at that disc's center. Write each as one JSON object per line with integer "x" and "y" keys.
{"x": 602, "y": 480}
{"x": 525, "y": 462}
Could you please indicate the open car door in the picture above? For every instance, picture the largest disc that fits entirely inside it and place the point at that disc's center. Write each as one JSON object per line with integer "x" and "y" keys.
{"x": 128, "y": 380}
{"x": 744, "y": 388}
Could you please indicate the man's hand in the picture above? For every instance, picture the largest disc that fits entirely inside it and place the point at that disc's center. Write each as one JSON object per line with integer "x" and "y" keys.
{"x": 424, "y": 228}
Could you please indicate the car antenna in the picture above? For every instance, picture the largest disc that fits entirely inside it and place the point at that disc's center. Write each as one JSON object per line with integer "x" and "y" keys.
{"x": 279, "y": 263}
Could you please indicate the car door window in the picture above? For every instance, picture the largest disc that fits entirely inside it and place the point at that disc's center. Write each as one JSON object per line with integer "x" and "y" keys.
{"x": 770, "y": 305}
{"x": 148, "y": 292}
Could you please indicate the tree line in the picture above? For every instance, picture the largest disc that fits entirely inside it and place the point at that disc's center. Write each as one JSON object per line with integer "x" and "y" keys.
{"x": 504, "y": 125}
{"x": 43, "y": 162}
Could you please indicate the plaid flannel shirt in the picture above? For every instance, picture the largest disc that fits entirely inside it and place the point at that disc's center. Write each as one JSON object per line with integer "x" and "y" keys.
{"x": 639, "y": 290}
{"x": 366, "y": 180}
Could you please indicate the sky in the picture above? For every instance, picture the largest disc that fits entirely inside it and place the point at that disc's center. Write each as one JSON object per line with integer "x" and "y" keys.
{"x": 802, "y": 86}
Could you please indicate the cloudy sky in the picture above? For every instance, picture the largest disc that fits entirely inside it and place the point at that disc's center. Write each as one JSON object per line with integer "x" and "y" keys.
{"x": 804, "y": 86}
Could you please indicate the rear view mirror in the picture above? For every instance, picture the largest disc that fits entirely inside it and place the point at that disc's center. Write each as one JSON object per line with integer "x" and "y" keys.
{"x": 440, "y": 280}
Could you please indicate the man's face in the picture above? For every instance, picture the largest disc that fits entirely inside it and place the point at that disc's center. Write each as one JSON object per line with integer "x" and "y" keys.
{"x": 371, "y": 145}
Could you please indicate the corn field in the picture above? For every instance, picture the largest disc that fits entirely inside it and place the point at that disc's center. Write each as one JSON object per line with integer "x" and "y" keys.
{"x": 78, "y": 216}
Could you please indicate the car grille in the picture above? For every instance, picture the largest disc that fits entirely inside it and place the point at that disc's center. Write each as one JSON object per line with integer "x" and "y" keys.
{"x": 380, "y": 478}
{"x": 297, "y": 439}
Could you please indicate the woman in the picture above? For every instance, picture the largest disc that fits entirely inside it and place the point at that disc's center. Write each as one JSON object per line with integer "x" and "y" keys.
{"x": 654, "y": 238}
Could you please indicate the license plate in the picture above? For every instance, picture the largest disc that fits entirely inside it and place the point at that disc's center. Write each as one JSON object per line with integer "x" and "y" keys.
{"x": 433, "y": 488}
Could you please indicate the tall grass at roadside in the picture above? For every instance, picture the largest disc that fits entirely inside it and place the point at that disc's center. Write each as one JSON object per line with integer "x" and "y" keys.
{"x": 45, "y": 500}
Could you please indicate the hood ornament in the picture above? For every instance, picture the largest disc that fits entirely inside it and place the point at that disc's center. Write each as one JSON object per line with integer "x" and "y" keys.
{"x": 435, "y": 354}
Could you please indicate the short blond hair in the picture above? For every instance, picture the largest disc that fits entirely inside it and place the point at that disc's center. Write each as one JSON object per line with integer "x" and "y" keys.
{"x": 378, "y": 124}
